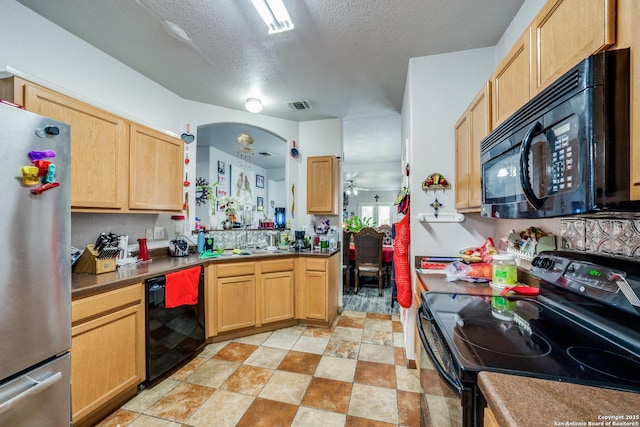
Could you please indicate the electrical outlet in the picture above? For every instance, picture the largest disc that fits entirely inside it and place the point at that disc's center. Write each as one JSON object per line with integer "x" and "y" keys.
{"x": 148, "y": 233}
{"x": 159, "y": 233}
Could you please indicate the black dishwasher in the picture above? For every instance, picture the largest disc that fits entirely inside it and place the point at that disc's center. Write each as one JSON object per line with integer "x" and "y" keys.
{"x": 172, "y": 334}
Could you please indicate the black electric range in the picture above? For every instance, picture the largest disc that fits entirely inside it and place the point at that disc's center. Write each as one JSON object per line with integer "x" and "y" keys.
{"x": 583, "y": 327}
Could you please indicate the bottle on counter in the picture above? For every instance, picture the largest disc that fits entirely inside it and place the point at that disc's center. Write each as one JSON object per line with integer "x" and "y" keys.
{"x": 333, "y": 242}
{"x": 504, "y": 268}
{"x": 200, "y": 245}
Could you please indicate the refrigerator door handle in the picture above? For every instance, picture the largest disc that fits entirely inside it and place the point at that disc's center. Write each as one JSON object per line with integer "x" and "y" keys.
{"x": 35, "y": 388}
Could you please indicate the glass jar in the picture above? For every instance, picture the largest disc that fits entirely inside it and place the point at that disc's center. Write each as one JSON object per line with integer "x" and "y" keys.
{"x": 505, "y": 271}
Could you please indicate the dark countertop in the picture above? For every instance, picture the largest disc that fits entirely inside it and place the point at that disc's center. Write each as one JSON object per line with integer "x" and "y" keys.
{"x": 530, "y": 402}
{"x": 439, "y": 283}
{"x": 83, "y": 285}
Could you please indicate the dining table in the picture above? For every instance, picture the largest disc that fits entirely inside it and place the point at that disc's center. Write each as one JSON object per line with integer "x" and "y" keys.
{"x": 387, "y": 253}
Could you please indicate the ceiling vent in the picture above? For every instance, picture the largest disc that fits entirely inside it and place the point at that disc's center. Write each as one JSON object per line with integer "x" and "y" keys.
{"x": 299, "y": 105}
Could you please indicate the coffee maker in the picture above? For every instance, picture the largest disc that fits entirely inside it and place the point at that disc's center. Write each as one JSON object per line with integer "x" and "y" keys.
{"x": 299, "y": 243}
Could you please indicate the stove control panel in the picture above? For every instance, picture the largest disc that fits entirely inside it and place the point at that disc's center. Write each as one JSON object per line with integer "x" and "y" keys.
{"x": 606, "y": 280}
{"x": 580, "y": 276}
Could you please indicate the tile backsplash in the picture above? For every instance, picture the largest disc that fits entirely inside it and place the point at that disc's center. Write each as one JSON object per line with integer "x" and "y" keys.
{"x": 608, "y": 236}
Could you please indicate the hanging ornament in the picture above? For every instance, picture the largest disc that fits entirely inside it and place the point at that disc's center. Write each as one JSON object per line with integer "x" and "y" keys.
{"x": 436, "y": 181}
{"x": 436, "y": 205}
{"x": 246, "y": 147}
{"x": 202, "y": 191}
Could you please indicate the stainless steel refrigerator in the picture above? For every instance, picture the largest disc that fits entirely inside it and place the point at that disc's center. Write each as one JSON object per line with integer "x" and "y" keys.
{"x": 35, "y": 270}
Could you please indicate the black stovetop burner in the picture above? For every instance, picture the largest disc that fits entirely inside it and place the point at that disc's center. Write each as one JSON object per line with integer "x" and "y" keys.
{"x": 567, "y": 333}
{"x": 539, "y": 342}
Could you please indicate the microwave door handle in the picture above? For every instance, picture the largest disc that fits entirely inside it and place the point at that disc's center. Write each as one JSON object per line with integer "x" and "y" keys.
{"x": 525, "y": 180}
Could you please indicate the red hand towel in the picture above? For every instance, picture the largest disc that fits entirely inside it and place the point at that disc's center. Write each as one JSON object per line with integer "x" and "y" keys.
{"x": 182, "y": 287}
{"x": 401, "y": 261}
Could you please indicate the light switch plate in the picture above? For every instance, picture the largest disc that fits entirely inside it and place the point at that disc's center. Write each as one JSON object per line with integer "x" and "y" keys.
{"x": 159, "y": 233}
{"x": 148, "y": 233}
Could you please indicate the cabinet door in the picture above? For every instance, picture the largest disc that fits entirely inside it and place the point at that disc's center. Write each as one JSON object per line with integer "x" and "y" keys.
{"x": 565, "y": 32}
{"x": 474, "y": 125}
{"x": 490, "y": 418}
{"x": 628, "y": 35}
{"x": 98, "y": 148}
{"x": 510, "y": 81}
{"x": 155, "y": 170}
{"x": 463, "y": 173}
{"x": 322, "y": 185}
{"x": 107, "y": 348}
{"x": 277, "y": 296}
{"x": 480, "y": 126}
{"x": 236, "y": 302}
{"x": 315, "y": 290}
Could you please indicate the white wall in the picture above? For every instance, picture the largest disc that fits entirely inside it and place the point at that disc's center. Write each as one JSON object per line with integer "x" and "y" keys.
{"x": 442, "y": 86}
{"x": 317, "y": 138}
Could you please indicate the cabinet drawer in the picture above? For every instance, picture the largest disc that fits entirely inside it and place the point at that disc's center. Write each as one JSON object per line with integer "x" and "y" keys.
{"x": 276, "y": 265}
{"x": 97, "y": 305}
{"x": 316, "y": 265}
{"x": 231, "y": 270}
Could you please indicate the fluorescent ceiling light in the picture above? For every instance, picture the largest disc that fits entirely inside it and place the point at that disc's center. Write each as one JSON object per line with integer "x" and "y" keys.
{"x": 253, "y": 105}
{"x": 274, "y": 14}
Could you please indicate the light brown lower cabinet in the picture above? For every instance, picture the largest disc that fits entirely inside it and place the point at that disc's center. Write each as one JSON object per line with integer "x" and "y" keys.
{"x": 489, "y": 418}
{"x": 249, "y": 297}
{"x": 317, "y": 289}
{"x": 235, "y": 292}
{"x": 107, "y": 351}
{"x": 276, "y": 290}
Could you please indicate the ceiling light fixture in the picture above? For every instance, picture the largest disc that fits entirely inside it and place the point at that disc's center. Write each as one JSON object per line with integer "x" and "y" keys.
{"x": 274, "y": 14}
{"x": 253, "y": 105}
{"x": 351, "y": 189}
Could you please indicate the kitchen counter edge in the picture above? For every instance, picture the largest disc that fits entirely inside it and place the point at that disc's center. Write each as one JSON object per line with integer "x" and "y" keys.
{"x": 84, "y": 285}
{"x": 519, "y": 401}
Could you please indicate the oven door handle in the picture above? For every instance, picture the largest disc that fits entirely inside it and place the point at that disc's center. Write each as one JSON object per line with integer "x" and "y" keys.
{"x": 525, "y": 179}
{"x": 421, "y": 313}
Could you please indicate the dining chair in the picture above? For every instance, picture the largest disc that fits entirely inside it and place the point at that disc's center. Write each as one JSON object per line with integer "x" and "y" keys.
{"x": 368, "y": 251}
{"x": 346, "y": 261}
{"x": 386, "y": 230}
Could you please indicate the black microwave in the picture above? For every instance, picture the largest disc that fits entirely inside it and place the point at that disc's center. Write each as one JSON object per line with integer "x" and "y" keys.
{"x": 566, "y": 151}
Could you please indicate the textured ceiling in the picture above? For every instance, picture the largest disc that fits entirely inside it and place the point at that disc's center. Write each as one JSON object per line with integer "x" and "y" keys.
{"x": 349, "y": 58}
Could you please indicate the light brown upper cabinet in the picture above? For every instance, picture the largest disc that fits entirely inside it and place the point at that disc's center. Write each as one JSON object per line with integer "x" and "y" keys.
{"x": 322, "y": 185}
{"x": 155, "y": 170}
{"x": 98, "y": 148}
{"x": 566, "y": 31}
{"x": 116, "y": 165}
{"x": 510, "y": 81}
{"x": 628, "y": 35}
{"x": 474, "y": 125}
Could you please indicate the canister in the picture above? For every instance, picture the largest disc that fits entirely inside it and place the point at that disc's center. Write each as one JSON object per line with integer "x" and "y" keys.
{"x": 505, "y": 271}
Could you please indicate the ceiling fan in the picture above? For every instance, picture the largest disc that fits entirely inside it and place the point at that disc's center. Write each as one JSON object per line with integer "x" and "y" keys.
{"x": 351, "y": 188}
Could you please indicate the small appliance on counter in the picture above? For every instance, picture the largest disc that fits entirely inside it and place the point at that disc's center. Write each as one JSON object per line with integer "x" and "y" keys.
{"x": 299, "y": 243}
{"x": 178, "y": 247}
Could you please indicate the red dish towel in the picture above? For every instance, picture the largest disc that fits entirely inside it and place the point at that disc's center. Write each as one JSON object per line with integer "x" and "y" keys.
{"x": 401, "y": 261}
{"x": 182, "y": 287}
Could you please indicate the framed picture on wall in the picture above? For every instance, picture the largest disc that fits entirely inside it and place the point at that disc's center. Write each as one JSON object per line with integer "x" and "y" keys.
{"x": 260, "y": 204}
{"x": 220, "y": 167}
{"x": 259, "y": 181}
